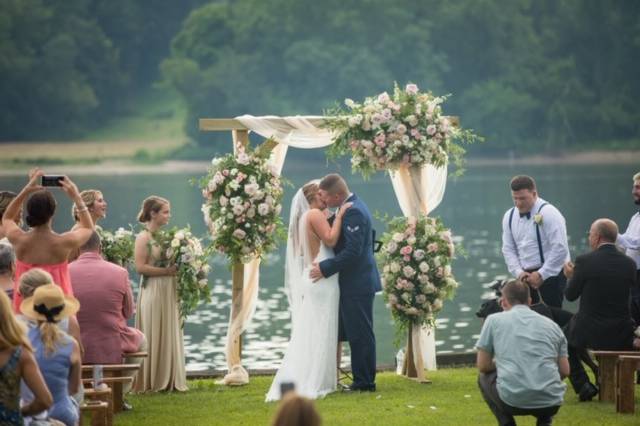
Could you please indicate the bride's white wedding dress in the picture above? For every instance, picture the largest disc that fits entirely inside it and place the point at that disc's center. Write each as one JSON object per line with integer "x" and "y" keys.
{"x": 310, "y": 359}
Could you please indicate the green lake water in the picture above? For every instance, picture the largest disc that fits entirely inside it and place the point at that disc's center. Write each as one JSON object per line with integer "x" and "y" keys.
{"x": 472, "y": 207}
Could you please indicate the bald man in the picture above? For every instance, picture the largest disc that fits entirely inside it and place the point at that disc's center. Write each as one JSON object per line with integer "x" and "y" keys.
{"x": 602, "y": 279}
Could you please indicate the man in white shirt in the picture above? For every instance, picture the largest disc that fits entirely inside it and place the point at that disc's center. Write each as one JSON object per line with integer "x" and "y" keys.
{"x": 630, "y": 241}
{"x": 534, "y": 242}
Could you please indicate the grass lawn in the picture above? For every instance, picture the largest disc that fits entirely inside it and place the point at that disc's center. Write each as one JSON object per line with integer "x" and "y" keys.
{"x": 452, "y": 399}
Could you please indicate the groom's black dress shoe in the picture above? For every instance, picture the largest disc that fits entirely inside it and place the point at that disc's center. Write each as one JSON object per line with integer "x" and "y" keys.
{"x": 353, "y": 388}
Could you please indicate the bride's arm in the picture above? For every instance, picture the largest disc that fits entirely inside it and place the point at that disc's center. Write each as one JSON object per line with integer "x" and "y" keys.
{"x": 328, "y": 234}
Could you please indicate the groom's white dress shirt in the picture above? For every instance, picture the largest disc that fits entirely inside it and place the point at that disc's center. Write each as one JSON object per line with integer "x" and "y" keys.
{"x": 630, "y": 240}
{"x": 520, "y": 243}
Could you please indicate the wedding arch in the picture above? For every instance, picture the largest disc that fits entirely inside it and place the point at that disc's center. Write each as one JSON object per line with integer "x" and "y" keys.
{"x": 418, "y": 190}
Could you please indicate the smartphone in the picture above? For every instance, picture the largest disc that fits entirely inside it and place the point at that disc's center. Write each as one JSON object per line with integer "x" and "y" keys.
{"x": 51, "y": 180}
{"x": 286, "y": 387}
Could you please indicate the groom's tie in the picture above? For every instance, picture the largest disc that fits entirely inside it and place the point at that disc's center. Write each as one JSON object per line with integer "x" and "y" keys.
{"x": 527, "y": 214}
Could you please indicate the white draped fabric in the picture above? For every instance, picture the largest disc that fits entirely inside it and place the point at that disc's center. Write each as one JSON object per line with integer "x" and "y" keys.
{"x": 415, "y": 194}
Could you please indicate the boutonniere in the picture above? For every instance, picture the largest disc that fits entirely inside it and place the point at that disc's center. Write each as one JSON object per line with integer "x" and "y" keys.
{"x": 537, "y": 218}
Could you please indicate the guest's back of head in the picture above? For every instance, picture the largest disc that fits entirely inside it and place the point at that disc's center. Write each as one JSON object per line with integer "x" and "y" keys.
{"x": 40, "y": 208}
{"x": 295, "y": 410}
{"x": 7, "y": 259}
{"x": 32, "y": 279}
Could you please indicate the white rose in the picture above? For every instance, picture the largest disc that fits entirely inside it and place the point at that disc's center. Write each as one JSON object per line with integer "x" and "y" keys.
{"x": 251, "y": 189}
{"x": 437, "y": 305}
{"x": 424, "y": 266}
{"x": 239, "y": 234}
{"x": 398, "y": 237}
{"x": 392, "y": 247}
{"x": 263, "y": 209}
{"x": 175, "y": 243}
{"x": 179, "y": 235}
{"x": 238, "y": 209}
{"x": 243, "y": 159}
{"x": 395, "y": 267}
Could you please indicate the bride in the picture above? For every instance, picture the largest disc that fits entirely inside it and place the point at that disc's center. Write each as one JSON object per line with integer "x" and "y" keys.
{"x": 310, "y": 360}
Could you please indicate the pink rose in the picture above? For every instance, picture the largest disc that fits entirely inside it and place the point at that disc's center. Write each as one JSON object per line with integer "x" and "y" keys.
{"x": 406, "y": 250}
{"x": 432, "y": 248}
{"x": 411, "y": 89}
{"x": 431, "y": 129}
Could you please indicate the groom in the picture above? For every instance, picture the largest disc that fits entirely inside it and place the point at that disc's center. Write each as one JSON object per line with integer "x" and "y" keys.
{"x": 359, "y": 280}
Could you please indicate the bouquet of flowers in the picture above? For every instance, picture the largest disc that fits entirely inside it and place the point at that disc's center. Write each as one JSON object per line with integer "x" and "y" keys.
{"x": 117, "y": 247}
{"x": 386, "y": 132}
{"x": 181, "y": 248}
{"x": 416, "y": 258}
{"x": 243, "y": 204}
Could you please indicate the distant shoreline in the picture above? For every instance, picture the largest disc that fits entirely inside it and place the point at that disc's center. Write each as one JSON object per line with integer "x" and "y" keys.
{"x": 113, "y": 167}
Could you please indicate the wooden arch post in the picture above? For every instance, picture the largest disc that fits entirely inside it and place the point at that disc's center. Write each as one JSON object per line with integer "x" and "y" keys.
{"x": 240, "y": 134}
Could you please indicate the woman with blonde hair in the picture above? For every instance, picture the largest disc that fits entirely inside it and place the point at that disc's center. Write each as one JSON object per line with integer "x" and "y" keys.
{"x": 57, "y": 353}
{"x": 29, "y": 282}
{"x": 18, "y": 363}
{"x": 40, "y": 246}
{"x": 157, "y": 308}
{"x": 97, "y": 206}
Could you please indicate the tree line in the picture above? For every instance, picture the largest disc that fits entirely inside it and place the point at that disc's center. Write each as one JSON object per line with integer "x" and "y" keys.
{"x": 532, "y": 75}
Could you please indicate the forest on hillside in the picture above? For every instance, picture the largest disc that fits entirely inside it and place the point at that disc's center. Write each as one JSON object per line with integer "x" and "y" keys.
{"x": 532, "y": 75}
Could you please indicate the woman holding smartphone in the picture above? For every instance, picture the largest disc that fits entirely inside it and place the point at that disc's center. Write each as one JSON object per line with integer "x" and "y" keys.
{"x": 157, "y": 308}
{"x": 41, "y": 246}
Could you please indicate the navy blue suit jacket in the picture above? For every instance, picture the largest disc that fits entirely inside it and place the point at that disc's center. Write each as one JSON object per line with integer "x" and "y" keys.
{"x": 354, "y": 253}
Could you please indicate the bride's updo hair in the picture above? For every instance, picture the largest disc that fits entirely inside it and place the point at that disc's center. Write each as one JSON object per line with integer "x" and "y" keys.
{"x": 310, "y": 189}
{"x": 151, "y": 204}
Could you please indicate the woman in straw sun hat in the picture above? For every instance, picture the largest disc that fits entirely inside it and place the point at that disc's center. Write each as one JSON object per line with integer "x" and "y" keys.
{"x": 57, "y": 353}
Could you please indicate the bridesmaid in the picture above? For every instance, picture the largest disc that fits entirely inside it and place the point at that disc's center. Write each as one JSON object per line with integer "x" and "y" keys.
{"x": 157, "y": 308}
{"x": 97, "y": 206}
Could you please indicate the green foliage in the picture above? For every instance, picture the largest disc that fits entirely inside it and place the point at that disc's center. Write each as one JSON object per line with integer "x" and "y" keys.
{"x": 529, "y": 75}
{"x": 117, "y": 247}
{"x": 416, "y": 259}
{"x": 243, "y": 201}
{"x": 406, "y": 129}
{"x": 179, "y": 247}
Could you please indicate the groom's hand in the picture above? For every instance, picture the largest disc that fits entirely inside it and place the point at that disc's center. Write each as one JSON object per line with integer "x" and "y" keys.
{"x": 316, "y": 273}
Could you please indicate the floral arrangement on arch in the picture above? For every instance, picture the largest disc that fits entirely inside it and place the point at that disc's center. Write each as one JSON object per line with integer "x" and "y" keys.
{"x": 117, "y": 247}
{"x": 416, "y": 256}
{"x": 386, "y": 132}
{"x": 243, "y": 204}
{"x": 178, "y": 246}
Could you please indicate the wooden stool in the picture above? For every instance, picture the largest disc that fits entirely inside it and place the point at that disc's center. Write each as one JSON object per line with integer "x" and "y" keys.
{"x": 607, "y": 362}
{"x": 626, "y": 372}
{"x": 98, "y": 411}
{"x": 116, "y": 385}
{"x": 101, "y": 395}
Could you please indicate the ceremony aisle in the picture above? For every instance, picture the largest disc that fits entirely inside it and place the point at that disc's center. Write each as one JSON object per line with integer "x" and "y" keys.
{"x": 452, "y": 399}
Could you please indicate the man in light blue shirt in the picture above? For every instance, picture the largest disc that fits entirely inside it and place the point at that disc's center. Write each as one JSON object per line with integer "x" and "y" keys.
{"x": 522, "y": 359}
{"x": 534, "y": 242}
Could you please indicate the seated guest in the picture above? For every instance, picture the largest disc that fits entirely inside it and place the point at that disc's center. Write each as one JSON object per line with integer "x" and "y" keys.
{"x": 18, "y": 363}
{"x": 57, "y": 353}
{"x": 7, "y": 268}
{"x": 28, "y": 283}
{"x": 295, "y": 410}
{"x": 106, "y": 302}
{"x": 40, "y": 246}
{"x": 602, "y": 279}
{"x": 5, "y": 199}
{"x": 522, "y": 358}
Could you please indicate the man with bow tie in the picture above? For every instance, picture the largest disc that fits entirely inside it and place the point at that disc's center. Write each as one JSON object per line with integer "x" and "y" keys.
{"x": 630, "y": 241}
{"x": 534, "y": 242}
